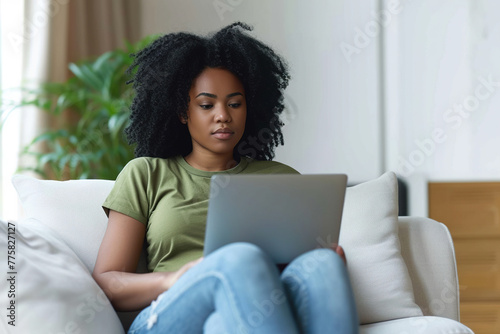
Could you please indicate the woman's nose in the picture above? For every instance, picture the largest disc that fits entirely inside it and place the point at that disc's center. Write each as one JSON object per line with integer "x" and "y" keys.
{"x": 222, "y": 115}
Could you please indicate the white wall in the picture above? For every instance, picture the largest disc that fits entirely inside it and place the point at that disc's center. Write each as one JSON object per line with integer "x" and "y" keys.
{"x": 448, "y": 118}
{"x": 334, "y": 121}
{"x": 442, "y": 119}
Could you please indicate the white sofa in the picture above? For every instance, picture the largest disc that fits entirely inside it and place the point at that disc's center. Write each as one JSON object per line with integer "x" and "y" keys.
{"x": 58, "y": 239}
{"x": 427, "y": 249}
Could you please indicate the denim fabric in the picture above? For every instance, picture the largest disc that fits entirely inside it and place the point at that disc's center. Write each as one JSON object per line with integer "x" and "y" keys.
{"x": 318, "y": 287}
{"x": 238, "y": 290}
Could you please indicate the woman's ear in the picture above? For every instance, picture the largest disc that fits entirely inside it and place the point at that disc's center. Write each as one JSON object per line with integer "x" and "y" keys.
{"x": 182, "y": 119}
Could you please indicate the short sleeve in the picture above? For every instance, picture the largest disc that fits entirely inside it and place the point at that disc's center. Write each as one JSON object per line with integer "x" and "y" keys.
{"x": 129, "y": 195}
{"x": 285, "y": 169}
{"x": 268, "y": 167}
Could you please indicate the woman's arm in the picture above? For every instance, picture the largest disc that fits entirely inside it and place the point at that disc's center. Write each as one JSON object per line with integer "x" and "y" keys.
{"x": 117, "y": 261}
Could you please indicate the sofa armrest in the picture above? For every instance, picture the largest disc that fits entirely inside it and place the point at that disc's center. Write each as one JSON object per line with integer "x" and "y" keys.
{"x": 428, "y": 251}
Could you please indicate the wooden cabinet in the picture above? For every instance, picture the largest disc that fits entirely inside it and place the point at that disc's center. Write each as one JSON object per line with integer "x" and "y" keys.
{"x": 471, "y": 210}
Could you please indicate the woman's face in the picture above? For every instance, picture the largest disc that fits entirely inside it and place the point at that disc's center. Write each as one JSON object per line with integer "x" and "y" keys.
{"x": 217, "y": 111}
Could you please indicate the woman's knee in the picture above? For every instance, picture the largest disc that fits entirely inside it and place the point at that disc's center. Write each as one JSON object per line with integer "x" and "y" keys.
{"x": 322, "y": 261}
{"x": 243, "y": 254}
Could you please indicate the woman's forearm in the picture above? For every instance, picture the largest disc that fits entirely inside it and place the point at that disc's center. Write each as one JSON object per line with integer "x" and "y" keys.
{"x": 132, "y": 291}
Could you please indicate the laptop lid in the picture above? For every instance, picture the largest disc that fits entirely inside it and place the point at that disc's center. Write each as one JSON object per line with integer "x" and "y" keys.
{"x": 284, "y": 214}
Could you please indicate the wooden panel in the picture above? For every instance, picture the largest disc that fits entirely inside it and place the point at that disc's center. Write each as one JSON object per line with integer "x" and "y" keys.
{"x": 478, "y": 262}
{"x": 482, "y": 318}
{"x": 468, "y": 209}
{"x": 472, "y": 213}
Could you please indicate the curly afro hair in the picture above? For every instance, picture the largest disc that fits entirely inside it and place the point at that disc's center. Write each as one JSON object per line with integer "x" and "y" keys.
{"x": 165, "y": 70}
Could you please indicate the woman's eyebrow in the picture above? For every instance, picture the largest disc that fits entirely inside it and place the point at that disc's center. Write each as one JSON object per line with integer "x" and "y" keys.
{"x": 207, "y": 94}
{"x": 215, "y": 96}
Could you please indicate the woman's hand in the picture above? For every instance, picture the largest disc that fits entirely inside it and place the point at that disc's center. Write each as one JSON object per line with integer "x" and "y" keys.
{"x": 340, "y": 251}
{"x": 174, "y": 276}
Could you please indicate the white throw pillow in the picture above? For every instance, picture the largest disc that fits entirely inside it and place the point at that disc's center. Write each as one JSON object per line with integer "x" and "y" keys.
{"x": 53, "y": 290}
{"x": 369, "y": 235}
{"x": 71, "y": 208}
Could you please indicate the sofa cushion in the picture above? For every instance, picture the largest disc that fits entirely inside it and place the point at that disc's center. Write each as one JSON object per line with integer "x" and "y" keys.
{"x": 369, "y": 236}
{"x": 71, "y": 208}
{"x": 54, "y": 291}
{"x": 416, "y": 325}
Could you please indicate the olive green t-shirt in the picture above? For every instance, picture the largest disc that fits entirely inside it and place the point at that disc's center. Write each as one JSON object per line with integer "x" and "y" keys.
{"x": 170, "y": 197}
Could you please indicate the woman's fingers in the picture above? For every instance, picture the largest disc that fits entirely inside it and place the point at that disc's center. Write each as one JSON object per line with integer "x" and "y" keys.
{"x": 182, "y": 270}
{"x": 188, "y": 266}
{"x": 340, "y": 251}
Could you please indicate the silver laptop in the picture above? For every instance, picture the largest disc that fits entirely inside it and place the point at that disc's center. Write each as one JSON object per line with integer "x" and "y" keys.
{"x": 285, "y": 215}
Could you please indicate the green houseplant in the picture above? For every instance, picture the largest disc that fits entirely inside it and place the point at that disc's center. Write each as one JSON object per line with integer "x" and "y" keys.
{"x": 98, "y": 97}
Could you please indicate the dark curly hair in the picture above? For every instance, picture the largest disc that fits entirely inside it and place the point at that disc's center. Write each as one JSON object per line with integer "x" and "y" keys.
{"x": 165, "y": 70}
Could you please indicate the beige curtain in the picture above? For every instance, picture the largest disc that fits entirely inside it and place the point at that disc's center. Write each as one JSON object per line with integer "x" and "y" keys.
{"x": 58, "y": 32}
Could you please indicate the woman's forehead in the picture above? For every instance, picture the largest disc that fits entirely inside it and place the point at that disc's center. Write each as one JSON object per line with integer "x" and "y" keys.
{"x": 216, "y": 80}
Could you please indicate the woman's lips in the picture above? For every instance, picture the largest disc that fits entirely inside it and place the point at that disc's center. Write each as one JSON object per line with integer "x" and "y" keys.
{"x": 223, "y": 134}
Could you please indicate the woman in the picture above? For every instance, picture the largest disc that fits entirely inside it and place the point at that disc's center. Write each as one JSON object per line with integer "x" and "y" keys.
{"x": 208, "y": 105}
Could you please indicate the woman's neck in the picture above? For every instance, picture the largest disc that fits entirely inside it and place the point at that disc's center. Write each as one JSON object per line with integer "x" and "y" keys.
{"x": 210, "y": 162}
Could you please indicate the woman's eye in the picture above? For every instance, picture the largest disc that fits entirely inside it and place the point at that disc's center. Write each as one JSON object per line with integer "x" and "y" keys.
{"x": 234, "y": 105}
{"x": 205, "y": 106}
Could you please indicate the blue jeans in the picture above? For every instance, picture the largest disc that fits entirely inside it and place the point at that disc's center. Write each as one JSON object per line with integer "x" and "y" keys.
{"x": 238, "y": 289}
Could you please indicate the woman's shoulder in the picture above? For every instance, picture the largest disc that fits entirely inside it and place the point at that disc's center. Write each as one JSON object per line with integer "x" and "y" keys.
{"x": 268, "y": 167}
{"x": 151, "y": 162}
{"x": 147, "y": 165}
